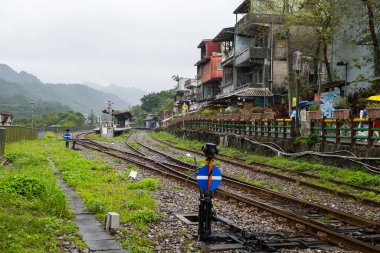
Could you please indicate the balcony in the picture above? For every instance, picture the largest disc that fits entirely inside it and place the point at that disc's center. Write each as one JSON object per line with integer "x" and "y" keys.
{"x": 252, "y": 55}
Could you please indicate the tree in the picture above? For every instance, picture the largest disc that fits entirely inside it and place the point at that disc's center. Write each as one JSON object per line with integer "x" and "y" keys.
{"x": 138, "y": 114}
{"x": 154, "y": 101}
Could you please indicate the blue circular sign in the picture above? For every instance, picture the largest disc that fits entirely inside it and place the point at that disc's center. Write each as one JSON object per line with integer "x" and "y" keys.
{"x": 67, "y": 136}
{"x": 209, "y": 182}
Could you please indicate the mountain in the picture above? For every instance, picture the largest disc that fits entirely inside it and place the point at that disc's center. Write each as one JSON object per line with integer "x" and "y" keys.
{"x": 8, "y": 74}
{"x": 130, "y": 94}
{"x": 78, "y": 97}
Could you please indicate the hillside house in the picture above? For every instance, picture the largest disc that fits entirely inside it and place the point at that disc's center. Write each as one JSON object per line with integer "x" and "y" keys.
{"x": 6, "y": 119}
{"x": 209, "y": 70}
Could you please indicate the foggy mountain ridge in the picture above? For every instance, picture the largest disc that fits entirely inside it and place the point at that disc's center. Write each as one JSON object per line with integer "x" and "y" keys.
{"x": 78, "y": 97}
{"x": 130, "y": 94}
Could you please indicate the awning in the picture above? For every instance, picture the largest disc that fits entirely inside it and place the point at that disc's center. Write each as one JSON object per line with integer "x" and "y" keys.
{"x": 249, "y": 92}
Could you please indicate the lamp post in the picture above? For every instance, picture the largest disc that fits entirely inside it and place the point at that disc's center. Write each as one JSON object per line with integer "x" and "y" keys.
{"x": 342, "y": 63}
{"x": 297, "y": 66}
{"x": 32, "y": 104}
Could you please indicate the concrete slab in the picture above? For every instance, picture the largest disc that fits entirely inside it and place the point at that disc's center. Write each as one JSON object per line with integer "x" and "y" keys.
{"x": 103, "y": 245}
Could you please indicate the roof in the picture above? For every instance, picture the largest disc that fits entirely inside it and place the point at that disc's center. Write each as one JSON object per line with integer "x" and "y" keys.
{"x": 242, "y": 8}
{"x": 4, "y": 113}
{"x": 226, "y": 34}
{"x": 202, "y": 44}
{"x": 249, "y": 92}
{"x": 254, "y": 92}
{"x": 205, "y": 59}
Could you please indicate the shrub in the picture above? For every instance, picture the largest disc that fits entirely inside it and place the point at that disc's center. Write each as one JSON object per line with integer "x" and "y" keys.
{"x": 342, "y": 103}
{"x": 314, "y": 107}
{"x": 257, "y": 110}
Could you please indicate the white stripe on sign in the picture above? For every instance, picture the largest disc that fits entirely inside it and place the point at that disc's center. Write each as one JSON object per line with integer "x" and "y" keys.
{"x": 213, "y": 177}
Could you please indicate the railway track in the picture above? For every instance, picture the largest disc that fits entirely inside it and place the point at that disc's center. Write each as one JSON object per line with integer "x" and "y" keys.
{"x": 347, "y": 231}
{"x": 297, "y": 177}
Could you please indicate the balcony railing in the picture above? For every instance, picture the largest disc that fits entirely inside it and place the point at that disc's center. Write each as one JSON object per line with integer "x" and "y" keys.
{"x": 252, "y": 55}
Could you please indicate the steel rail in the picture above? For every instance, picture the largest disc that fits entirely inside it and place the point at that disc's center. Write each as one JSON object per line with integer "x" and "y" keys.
{"x": 299, "y": 221}
{"x": 277, "y": 196}
{"x": 240, "y": 163}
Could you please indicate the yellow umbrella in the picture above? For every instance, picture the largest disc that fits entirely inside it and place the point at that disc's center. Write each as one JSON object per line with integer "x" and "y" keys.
{"x": 374, "y": 98}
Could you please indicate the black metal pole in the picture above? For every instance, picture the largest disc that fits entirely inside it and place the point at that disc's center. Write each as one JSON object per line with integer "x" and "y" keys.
{"x": 205, "y": 213}
{"x": 297, "y": 105}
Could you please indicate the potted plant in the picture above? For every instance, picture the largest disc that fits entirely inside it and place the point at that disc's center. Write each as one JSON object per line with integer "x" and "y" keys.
{"x": 314, "y": 112}
{"x": 342, "y": 109}
{"x": 257, "y": 112}
{"x": 268, "y": 114}
{"x": 373, "y": 110}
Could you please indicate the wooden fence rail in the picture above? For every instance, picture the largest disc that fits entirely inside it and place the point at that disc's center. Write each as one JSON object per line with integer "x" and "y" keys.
{"x": 351, "y": 131}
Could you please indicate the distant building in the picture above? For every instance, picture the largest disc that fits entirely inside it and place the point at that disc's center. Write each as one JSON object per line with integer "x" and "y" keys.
{"x": 122, "y": 119}
{"x": 165, "y": 117}
{"x": 186, "y": 92}
{"x": 6, "y": 119}
{"x": 151, "y": 121}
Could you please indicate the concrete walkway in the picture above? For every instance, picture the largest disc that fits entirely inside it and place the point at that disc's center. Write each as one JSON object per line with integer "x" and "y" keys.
{"x": 92, "y": 232}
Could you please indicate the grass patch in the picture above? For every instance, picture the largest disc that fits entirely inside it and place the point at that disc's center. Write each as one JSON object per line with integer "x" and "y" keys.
{"x": 135, "y": 145}
{"x": 33, "y": 209}
{"x": 105, "y": 189}
{"x": 115, "y": 139}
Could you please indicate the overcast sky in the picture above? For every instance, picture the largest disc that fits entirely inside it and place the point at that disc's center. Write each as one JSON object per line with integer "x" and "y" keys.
{"x": 140, "y": 43}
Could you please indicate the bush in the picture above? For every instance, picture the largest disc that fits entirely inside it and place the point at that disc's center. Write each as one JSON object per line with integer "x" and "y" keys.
{"x": 314, "y": 107}
{"x": 342, "y": 103}
{"x": 257, "y": 110}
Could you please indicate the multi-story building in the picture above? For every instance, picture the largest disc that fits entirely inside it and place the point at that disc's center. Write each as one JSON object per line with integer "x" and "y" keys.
{"x": 209, "y": 71}
{"x": 186, "y": 93}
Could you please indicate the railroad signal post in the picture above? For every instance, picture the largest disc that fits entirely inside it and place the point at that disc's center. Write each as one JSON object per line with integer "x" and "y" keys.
{"x": 209, "y": 178}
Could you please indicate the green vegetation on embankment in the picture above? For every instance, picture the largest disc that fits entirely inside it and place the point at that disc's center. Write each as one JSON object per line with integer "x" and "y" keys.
{"x": 103, "y": 189}
{"x": 325, "y": 172}
{"x": 33, "y": 209}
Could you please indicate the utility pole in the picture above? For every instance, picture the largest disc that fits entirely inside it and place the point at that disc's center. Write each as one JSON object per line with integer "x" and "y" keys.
{"x": 297, "y": 67}
{"x": 32, "y": 104}
{"x": 109, "y": 109}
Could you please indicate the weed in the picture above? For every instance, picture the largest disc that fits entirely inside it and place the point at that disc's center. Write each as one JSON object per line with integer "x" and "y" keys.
{"x": 150, "y": 184}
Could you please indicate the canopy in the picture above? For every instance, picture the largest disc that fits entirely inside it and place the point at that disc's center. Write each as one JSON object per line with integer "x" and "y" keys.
{"x": 374, "y": 98}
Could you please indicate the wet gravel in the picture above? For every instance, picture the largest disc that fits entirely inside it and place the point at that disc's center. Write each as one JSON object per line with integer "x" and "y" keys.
{"x": 172, "y": 235}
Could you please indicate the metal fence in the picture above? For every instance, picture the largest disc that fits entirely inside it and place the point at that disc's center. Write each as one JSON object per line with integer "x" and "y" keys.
{"x": 17, "y": 133}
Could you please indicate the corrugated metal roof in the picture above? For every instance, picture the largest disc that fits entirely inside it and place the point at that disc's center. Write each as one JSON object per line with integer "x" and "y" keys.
{"x": 254, "y": 92}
